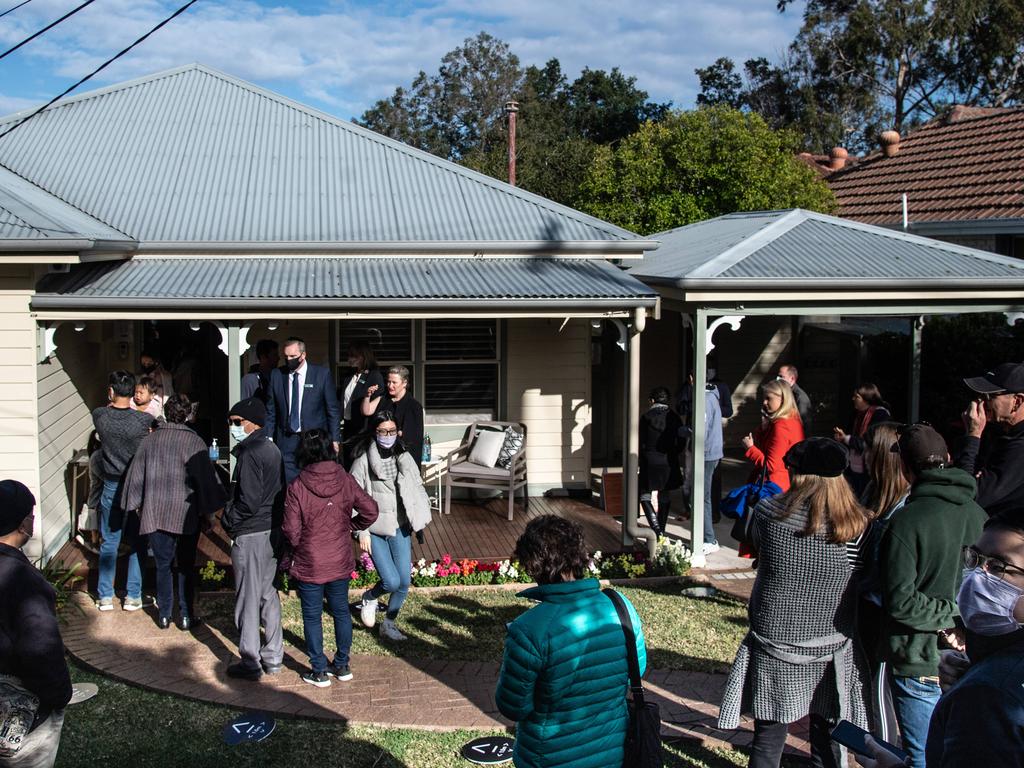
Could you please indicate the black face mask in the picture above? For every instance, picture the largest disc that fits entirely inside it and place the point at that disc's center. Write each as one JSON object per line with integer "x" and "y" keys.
{"x": 293, "y": 363}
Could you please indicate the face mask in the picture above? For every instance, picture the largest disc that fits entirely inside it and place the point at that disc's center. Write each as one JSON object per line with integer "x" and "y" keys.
{"x": 293, "y": 363}
{"x": 986, "y": 603}
{"x": 149, "y": 368}
{"x": 238, "y": 432}
{"x": 387, "y": 441}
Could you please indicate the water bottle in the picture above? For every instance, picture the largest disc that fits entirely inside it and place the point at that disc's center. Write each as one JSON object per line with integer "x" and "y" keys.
{"x": 426, "y": 449}
{"x": 214, "y": 450}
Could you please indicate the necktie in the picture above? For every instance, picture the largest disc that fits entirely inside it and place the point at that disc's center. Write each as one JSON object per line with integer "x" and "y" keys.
{"x": 293, "y": 411}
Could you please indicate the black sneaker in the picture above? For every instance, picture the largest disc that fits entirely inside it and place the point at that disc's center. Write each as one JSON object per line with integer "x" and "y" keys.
{"x": 243, "y": 672}
{"x": 319, "y": 679}
{"x": 342, "y": 673}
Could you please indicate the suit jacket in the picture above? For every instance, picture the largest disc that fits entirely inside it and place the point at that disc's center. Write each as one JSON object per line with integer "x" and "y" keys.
{"x": 319, "y": 403}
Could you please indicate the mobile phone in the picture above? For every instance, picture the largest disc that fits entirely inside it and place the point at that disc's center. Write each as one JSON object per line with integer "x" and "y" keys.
{"x": 852, "y": 737}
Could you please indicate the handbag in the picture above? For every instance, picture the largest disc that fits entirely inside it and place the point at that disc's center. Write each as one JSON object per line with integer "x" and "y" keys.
{"x": 749, "y": 496}
{"x": 18, "y": 710}
{"x": 643, "y": 731}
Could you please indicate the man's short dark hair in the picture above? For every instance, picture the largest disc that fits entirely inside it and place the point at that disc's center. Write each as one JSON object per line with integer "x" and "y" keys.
{"x": 659, "y": 395}
{"x": 123, "y": 383}
{"x": 1001, "y": 523}
{"x": 177, "y": 409}
{"x": 294, "y": 340}
{"x": 264, "y": 347}
{"x": 550, "y": 547}
{"x": 315, "y": 445}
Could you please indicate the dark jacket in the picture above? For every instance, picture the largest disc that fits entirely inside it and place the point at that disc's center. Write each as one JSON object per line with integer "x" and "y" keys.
{"x": 31, "y": 648}
{"x": 564, "y": 677}
{"x": 980, "y": 720}
{"x": 356, "y": 423}
{"x": 171, "y": 482}
{"x": 318, "y": 522}
{"x": 921, "y": 567}
{"x": 408, "y": 415}
{"x": 319, "y": 409}
{"x": 256, "y": 486}
{"x": 1001, "y": 482}
{"x": 660, "y": 442}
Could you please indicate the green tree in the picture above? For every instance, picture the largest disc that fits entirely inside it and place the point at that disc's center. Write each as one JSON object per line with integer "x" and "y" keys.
{"x": 696, "y": 165}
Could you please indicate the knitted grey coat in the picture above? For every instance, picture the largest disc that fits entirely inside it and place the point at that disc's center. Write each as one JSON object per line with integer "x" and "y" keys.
{"x": 799, "y": 656}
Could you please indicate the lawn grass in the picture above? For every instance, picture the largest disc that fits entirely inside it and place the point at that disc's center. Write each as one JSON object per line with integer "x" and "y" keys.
{"x": 697, "y": 634}
{"x": 126, "y": 726}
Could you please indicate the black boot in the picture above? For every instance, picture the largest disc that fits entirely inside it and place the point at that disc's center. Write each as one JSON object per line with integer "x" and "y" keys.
{"x": 651, "y": 515}
{"x": 664, "y": 505}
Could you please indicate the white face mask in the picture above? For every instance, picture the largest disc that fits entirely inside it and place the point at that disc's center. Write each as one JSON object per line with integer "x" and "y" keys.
{"x": 987, "y": 603}
{"x": 238, "y": 432}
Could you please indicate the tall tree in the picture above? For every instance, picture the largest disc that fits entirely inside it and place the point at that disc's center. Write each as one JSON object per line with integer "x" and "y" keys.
{"x": 696, "y": 165}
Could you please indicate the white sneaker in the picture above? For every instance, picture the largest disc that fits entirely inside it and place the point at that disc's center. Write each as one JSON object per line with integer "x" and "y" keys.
{"x": 390, "y": 631}
{"x": 105, "y": 604}
{"x": 709, "y": 548}
{"x": 368, "y": 609}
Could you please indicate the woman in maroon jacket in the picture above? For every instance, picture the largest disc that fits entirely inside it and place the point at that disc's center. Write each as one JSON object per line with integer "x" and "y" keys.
{"x": 318, "y": 523}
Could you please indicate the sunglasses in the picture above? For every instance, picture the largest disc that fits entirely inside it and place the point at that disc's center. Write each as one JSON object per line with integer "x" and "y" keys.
{"x": 994, "y": 565}
{"x": 235, "y": 422}
{"x": 387, "y": 432}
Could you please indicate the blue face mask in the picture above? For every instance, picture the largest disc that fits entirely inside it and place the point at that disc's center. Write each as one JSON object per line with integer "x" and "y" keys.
{"x": 238, "y": 432}
{"x": 986, "y": 603}
{"x": 387, "y": 441}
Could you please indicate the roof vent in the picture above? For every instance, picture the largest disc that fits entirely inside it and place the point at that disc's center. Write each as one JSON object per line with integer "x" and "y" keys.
{"x": 837, "y": 158}
{"x": 890, "y": 143}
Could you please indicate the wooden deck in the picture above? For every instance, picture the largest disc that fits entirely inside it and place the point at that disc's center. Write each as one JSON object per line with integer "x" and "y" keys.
{"x": 473, "y": 531}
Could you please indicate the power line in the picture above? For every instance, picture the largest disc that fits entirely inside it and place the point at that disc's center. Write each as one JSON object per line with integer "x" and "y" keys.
{"x": 47, "y": 28}
{"x": 26, "y": 2}
{"x": 101, "y": 67}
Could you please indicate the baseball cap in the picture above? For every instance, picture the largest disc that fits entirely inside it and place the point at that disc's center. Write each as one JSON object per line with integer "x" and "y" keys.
{"x": 920, "y": 445}
{"x": 1008, "y": 377}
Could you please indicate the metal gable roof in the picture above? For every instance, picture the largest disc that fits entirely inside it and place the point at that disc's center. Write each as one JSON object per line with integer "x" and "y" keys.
{"x": 799, "y": 246}
{"x": 192, "y": 155}
{"x": 184, "y": 283}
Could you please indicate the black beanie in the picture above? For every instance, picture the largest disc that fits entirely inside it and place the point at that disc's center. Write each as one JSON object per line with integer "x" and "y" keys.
{"x": 251, "y": 409}
{"x": 16, "y": 503}
{"x": 821, "y": 456}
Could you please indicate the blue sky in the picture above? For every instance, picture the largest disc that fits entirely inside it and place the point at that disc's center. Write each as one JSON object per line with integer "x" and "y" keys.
{"x": 342, "y": 56}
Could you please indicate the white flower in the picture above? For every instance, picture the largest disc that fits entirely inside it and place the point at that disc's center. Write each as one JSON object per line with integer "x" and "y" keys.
{"x": 421, "y": 563}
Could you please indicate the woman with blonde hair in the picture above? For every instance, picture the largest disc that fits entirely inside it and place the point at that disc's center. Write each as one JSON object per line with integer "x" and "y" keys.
{"x": 780, "y": 430}
{"x": 798, "y": 657}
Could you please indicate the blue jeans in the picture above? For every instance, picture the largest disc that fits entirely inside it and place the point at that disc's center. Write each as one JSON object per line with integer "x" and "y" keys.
{"x": 709, "y": 521}
{"x": 914, "y": 699}
{"x": 312, "y": 598}
{"x": 392, "y": 557}
{"x": 113, "y": 522}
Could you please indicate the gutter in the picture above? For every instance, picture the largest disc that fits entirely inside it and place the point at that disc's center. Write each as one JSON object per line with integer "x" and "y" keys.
{"x": 60, "y": 245}
{"x": 836, "y": 284}
{"x": 43, "y": 301}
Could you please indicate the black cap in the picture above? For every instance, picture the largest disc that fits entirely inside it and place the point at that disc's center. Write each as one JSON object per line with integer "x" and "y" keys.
{"x": 251, "y": 409}
{"x": 821, "y": 456}
{"x": 921, "y": 446}
{"x": 1008, "y": 377}
{"x": 16, "y": 503}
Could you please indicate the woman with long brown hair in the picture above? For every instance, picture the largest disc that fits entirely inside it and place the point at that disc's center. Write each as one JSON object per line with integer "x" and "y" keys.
{"x": 799, "y": 656}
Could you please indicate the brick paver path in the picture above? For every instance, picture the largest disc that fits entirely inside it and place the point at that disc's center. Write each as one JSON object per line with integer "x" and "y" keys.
{"x": 432, "y": 695}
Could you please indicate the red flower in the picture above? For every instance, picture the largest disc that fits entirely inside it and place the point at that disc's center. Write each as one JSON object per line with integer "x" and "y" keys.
{"x": 446, "y": 560}
{"x": 355, "y": 575}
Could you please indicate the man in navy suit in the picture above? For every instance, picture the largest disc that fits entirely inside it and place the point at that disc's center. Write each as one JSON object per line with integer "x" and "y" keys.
{"x": 302, "y": 397}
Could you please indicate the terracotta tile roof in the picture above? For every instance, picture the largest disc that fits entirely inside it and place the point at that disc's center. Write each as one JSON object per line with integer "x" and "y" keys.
{"x": 967, "y": 166}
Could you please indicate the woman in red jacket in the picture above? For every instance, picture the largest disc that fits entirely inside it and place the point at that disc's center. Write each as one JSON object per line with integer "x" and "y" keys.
{"x": 318, "y": 523}
{"x": 780, "y": 429}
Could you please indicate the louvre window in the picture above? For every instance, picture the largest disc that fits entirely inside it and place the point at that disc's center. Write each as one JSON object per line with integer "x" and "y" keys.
{"x": 391, "y": 340}
{"x": 461, "y": 366}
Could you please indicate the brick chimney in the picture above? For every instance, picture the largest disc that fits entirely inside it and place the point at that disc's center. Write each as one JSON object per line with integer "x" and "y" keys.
{"x": 837, "y": 158}
{"x": 890, "y": 143}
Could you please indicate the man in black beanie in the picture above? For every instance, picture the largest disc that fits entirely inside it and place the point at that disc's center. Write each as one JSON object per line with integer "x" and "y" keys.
{"x": 251, "y": 515}
{"x": 31, "y": 649}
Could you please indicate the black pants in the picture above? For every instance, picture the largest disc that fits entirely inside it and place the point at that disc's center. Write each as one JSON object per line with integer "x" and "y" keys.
{"x": 169, "y": 548}
{"x": 770, "y": 739}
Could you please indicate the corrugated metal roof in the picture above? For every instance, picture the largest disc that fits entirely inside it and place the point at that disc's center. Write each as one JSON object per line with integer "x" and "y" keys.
{"x": 800, "y": 245}
{"x": 29, "y": 213}
{"x": 188, "y": 281}
{"x": 194, "y": 155}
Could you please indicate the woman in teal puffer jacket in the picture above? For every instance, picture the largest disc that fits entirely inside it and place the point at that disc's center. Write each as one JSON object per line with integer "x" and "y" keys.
{"x": 564, "y": 677}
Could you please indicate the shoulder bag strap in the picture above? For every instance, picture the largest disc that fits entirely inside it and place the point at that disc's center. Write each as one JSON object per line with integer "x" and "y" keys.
{"x": 635, "y": 683}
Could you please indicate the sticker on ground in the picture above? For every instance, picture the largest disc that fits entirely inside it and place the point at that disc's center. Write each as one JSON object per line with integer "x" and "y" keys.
{"x": 82, "y": 692}
{"x": 249, "y": 726}
{"x": 489, "y": 750}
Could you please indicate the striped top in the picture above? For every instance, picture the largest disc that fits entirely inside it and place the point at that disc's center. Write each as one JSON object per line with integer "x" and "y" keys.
{"x": 171, "y": 482}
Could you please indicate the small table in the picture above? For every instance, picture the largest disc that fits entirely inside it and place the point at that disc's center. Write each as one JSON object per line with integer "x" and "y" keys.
{"x": 425, "y": 467}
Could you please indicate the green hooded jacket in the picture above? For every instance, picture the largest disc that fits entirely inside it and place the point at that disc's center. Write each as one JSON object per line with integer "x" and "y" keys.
{"x": 564, "y": 678}
{"x": 921, "y": 564}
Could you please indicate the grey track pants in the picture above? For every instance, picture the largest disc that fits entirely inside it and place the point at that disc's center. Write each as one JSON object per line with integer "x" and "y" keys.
{"x": 256, "y": 600}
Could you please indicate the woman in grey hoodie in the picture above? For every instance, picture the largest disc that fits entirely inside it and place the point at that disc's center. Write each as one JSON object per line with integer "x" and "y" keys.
{"x": 388, "y": 473}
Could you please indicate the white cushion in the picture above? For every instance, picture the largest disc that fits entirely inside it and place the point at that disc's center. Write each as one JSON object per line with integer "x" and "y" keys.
{"x": 486, "y": 448}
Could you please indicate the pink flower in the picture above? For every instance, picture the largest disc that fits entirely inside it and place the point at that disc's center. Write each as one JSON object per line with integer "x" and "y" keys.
{"x": 355, "y": 575}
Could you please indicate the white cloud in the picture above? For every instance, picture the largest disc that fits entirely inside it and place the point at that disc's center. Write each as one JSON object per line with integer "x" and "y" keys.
{"x": 343, "y": 56}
